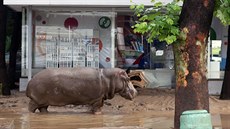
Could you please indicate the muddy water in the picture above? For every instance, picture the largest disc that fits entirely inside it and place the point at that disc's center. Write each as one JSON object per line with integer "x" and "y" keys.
{"x": 74, "y": 120}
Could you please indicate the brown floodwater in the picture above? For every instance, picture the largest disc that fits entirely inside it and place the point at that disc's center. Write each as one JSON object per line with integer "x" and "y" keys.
{"x": 74, "y": 120}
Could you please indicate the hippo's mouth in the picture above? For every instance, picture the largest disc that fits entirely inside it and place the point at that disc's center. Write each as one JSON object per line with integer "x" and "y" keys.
{"x": 128, "y": 94}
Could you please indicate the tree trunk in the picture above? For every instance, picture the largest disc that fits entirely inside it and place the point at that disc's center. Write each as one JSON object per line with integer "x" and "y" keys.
{"x": 15, "y": 43}
{"x": 3, "y": 72}
{"x": 191, "y": 57}
{"x": 225, "y": 91}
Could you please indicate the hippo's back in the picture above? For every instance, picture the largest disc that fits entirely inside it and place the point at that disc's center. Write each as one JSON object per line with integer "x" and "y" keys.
{"x": 61, "y": 86}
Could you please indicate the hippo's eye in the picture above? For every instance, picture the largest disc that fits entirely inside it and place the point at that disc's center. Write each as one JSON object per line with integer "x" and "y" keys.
{"x": 127, "y": 79}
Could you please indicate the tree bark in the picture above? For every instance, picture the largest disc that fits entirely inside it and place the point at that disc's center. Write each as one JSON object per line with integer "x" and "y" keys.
{"x": 225, "y": 91}
{"x": 3, "y": 72}
{"x": 191, "y": 57}
{"x": 15, "y": 43}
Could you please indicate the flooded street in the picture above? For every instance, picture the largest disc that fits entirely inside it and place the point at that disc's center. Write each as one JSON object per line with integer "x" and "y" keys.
{"x": 152, "y": 108}
{"x": 72, "y": 120}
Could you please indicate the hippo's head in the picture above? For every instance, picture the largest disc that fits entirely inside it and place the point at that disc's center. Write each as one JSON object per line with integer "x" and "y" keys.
{"x": 127, "y": 91}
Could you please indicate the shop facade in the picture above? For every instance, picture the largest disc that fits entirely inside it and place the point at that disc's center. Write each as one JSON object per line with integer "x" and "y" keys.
{"x": 94, "y": 34}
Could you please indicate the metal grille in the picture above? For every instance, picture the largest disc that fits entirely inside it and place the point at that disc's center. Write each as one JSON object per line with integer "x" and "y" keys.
{"x": 76, "y": 53}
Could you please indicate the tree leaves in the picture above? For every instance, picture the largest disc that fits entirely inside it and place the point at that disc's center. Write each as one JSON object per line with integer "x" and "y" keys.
{"x": 159, "y": 21}
{"x": 169, "y": 21}
{"x": 158, "y": 4}
{"x": 222, "y": 11}
{"x": 170, "y": 39}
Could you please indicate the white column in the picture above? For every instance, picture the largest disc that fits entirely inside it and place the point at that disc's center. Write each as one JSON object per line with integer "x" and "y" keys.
{"x": 208, "y": 54}
{"x": 29, "y": 43}
{"x": 23, "y": 46}
{"x": 113, "y": 40}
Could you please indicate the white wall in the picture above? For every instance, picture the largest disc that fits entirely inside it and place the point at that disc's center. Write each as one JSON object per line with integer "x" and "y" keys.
{"x": 221, "y": 34}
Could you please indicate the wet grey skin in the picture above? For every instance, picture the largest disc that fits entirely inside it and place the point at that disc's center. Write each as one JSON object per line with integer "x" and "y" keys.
{"x": 77, "y": 86}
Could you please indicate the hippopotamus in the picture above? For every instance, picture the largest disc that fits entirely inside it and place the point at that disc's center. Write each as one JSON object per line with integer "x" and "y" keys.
{"x": 77, "y": 86}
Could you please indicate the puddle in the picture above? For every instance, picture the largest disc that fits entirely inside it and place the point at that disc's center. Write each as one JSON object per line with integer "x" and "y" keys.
{"x": 74, "y": 120}
{"x": 225, "y": 121}
{"x": 221, "y": 121}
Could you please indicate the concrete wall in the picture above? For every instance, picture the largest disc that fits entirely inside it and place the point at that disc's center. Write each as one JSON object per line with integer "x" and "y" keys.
{"x": 214, "y": 86}
{"x": 221, "y": 34}
{"x": 160, "y": 78}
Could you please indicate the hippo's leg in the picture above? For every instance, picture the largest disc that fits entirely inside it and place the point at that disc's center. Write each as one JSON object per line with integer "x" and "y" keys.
{"x": 96, "y": 107}
{"x": 43, "y": 109}
{"x": 32, "y": 106}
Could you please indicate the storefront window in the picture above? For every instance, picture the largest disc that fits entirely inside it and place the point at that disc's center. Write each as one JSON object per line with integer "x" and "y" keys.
{"x": 72, "y": 39}
{"x": 129, "y": 45}
{"x": 161, "y": 56}
{"x": 133, "y": 50}
{"x": 88, "y": 39}
{"x": 216, "y": 50}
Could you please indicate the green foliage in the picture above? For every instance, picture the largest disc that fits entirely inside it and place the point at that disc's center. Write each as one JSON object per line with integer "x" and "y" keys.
{"x": 8, "y": 43}
{"x": 222, "y": 11}
{"x": 159, "y": 21}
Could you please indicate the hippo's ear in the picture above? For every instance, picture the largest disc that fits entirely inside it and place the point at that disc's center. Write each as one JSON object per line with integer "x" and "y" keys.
{"x": 124, "y": 75}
